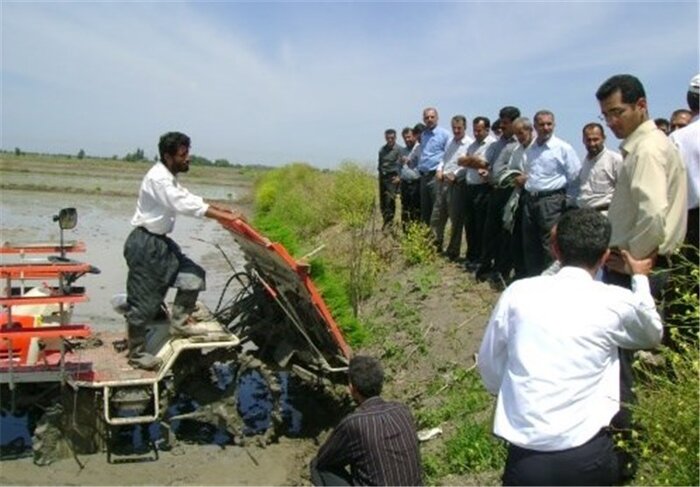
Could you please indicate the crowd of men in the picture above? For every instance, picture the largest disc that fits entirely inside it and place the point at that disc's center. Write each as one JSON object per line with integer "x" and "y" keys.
{"x": 503, "y": 189}
{"x": 558, "y": 347}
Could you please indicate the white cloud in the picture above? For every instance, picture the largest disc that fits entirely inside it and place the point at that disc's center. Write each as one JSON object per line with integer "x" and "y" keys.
{"x": 319, "y": 83}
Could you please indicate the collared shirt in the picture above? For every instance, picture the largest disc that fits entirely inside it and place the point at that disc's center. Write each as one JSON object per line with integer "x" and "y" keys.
{"x": 433, "y": 144}
{"x": 161, "y": 198}
{"x": 478, "y": 149}
{"x": 389, "y": 160}
{"x": 648, "y": 209}
{"x": 454, "y": 150}
{"x": 379, "y": 443}
{"x": 598, "y": 178}
{"x": 409, "y": 171}
{"x": 687, "y": 140}
{"x": 550, "y": 352}
{"x": 497, "y": 155}
{"x": 552, "y": 165}
{"x": 519, "y": 157}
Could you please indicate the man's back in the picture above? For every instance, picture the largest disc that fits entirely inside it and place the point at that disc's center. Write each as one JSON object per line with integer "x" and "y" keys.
{"x": 379, "y": 443}
{"x": 550, "y": 353}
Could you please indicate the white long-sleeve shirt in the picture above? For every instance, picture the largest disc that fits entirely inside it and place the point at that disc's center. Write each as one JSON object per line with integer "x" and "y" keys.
{"x": 550, "y": 352}
{"x": 161, "y": 198}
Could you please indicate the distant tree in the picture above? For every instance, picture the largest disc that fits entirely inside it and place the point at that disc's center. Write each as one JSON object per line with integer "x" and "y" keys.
{"x": 17, "y": 151}
{"x": 136, "y": 156}
{"x": 199, "y": 161}
{"x": 222, "y": 163}
{"x": 81, "y": 154}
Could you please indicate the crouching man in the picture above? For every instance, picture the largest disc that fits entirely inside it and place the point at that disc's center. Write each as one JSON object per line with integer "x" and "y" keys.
{"x": 550, "y": 352}
{"x": 155, "y": 261}
{"x": 378, "y": 441}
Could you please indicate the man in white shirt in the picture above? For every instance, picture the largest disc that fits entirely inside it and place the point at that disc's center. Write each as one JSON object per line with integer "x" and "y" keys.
{"x": 450, "y": 200}
{"x": 155, "y": 261}
{"x": 550, "y": 352}
{"x": 687, "y": 139}
{"x": 598, "y": 170}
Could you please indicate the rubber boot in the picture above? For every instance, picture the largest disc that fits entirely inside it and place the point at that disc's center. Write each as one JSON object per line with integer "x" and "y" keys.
{"x": 138, "y": 357}
{"x": 183, "y": 306}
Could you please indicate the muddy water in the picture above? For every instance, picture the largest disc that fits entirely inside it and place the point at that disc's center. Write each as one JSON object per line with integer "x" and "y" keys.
{"x": 103, "y": 224}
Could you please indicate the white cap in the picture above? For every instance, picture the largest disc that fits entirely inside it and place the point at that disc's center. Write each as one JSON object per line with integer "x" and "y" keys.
{"x": 695, "y": 84}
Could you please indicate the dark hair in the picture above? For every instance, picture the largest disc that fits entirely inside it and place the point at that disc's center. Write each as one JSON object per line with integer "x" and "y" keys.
{"x": 170, "y": 143}
{"x": 582, "y": 236}
{"x": 496, "y": 124}
{"x": 662, "y": 121}
{"x": 681, "y": 111}
{"x": 543, "y": 112}
{"x": 591, "y": 125}
{"x": 480, "y": 119}
{"x": 693, "y": 100}
{"x": 510, "y": 113}
{"x": 460, "y": 118}
{"x": 418, "y": 128}
{"x": 366, "y": 375}
{"x": 629, "y": 86}
{"x": 406, "y": 130}
{"x": 390, "y": 132}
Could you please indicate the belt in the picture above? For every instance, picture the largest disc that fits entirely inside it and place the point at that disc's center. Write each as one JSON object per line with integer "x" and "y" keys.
{"x": 543, "y": 194}
{"x": 428, "y": 174}
{"x": 144, "y": 229}
{"x": 602, "y": 208}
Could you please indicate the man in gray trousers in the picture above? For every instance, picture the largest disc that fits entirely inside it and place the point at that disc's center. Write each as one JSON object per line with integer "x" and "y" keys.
{"x": 155, "y": 261}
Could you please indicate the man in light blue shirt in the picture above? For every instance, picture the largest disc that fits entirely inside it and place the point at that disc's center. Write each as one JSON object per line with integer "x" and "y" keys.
{"x": 433, "y": 143}
{"x": 551, "y": 169}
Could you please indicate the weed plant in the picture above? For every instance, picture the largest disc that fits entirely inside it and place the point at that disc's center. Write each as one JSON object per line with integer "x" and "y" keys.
{"x": 417, "y": 244}
{"x": 667, "y": 411}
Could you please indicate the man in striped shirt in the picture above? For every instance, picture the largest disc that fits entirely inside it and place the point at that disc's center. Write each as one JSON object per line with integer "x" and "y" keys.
{"x": 378, "y": 441}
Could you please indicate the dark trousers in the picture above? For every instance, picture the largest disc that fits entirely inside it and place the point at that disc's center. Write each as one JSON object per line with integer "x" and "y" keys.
{"x": 388, "y": 190}
{"x": 693, "y": 230}
{"x": 477, "y": 200}
{"x": 456, "y": 200}
{"x": 540, "y": 214}
{"x": 515, "y": 252}
{"x": 410, "y": 201}
{"x": 428, "y": 187}
{"x": 593, "y": 463}
{"x": 494, "y": 236}
{"x": 338, "y": 476}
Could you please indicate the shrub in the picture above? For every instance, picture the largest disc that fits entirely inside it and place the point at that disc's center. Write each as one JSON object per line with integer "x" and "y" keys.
{"x": 417, "y": 244}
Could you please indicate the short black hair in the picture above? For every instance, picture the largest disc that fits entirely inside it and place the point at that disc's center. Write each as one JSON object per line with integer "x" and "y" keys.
{"x": 583, "y": 236}
{"x": 629, "y": 86}
{"x": 591, "y": 125}
{"x": 390, "y": 132}
{"x": 509, "y": 113}
{"x": 460, "y": 119}
{"x": 681, "y": 111}
{"x": 418, "y": 129}
{"x": 366, "y": 375}
{"x": 480, "y": 119}
{"x": 496, "y": 124}
{"x": 406, "y": 130}
{"x": 171, "y": 142}
{"x": 662, "y": 121}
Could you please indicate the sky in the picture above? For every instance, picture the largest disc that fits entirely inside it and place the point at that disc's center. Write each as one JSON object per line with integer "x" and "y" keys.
{"x": 319, "y": 82}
